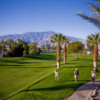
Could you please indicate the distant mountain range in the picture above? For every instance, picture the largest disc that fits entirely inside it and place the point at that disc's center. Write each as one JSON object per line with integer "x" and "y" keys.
{"x": 42, "y": 38}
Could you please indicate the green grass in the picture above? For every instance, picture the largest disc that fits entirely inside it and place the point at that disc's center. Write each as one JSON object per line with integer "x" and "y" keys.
{"x": 32, "y": 77}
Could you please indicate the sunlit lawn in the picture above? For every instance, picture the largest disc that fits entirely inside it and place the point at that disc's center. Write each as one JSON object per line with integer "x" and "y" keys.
{"x": 32, "y": 78}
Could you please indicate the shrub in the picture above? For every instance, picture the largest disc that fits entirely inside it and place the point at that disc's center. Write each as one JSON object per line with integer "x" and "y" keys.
{"x": 16, "y": 51}
{"x": 34, "y": 51}
{"x": 8, "y": 54}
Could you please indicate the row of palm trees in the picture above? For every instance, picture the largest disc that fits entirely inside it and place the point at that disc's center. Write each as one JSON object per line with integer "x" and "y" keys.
{"x": 3, "y": 43}
{"x": 60, "y": 39}
{"x": 95, "y": 19}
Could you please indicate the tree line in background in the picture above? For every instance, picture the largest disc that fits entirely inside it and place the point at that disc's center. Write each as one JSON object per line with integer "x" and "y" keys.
{"x": 10, "y": 48}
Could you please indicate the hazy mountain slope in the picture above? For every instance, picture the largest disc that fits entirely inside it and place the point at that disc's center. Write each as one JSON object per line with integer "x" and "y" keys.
{"x": 42, "y": 38}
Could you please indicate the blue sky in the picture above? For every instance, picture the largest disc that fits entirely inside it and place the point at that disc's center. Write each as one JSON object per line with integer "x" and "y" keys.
{"x": 20, "y": 16}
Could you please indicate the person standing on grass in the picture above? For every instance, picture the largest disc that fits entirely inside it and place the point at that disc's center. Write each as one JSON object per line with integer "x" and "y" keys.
{"x": 93, "y": 76}
{"x": 76, "y": 73}
{"x": 56, "y": 75}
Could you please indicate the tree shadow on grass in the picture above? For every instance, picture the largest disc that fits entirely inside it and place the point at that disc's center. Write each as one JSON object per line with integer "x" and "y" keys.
{"x": 8, "y": 66}
{"x": 38, "y": 57}
{"x": 83, "y": 81}
{"x": 42, "y": 57}
{"x": 21, "y": 67}
{"x": 55, "y": 88}
{"x": 84, "y": 86}
{"x": 9, "y": 61}
{"x": 19, "y": 63}
{"x": 28, "y": 62}
{"x": 1, "y": 95}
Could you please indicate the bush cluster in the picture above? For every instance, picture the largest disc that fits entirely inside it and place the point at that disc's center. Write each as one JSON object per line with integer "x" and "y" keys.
{"x": 16, "y": 51}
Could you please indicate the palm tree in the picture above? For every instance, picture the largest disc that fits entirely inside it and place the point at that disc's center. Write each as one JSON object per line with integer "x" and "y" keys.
{"x": 9, "y": 42}
{"x": 65, "y": 41}
{"x": 33, "y": 48}
{"x": 48, "y": 46}
{"x": 95, "y": 18}
{"x": 33, "y": 45}
{"x": 3, "y": 47}
{"x": 20, "y": 41}
{"x": 94, "y": 40}
{"x": 57, "y": 38}
{"x": 42, "y": 47}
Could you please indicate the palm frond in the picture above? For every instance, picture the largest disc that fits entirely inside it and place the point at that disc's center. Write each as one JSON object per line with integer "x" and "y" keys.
{"x": 95, "y": 8}
{"x": 95, "y": 18}
{"x": 56, "y": 38}
{"x": 93, "y": 39}
{"x": 9, "y": 41}
{"x": 98, "y": 16}
{"x": 65, "y": 40}
{"x": 2, "y": 43}
{"x": 98, "y": 1}
{"x": 90, "y": 19}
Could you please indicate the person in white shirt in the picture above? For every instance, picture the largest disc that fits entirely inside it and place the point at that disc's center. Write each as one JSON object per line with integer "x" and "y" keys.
{"x": 93, "y": 76}
{"x": 56, "y": 75}
{"x": 76, "y": 73}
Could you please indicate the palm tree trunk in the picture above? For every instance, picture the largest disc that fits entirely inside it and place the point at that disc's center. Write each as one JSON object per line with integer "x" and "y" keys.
{"x": 2, "y": 51}
{"x": 10, "y": 46}
{"x": 65, "y": 54}
{"x": 58, "y": 55}
{"x": 76, "y": 55}
{"x": 95, "y": 57}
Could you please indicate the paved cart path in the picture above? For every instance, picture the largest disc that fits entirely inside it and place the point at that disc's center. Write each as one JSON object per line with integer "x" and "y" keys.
{"x": 85, "y": 91}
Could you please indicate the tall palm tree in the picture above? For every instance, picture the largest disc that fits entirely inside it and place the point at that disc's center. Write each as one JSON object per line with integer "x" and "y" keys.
{"x": 57, "y": 38}
{"x": 95, "y": 17}
{"x": 94, "y": 40}
{"x": 2, "y": 43}
{"x": 9, "y": 42}
{"x": 65, "y": 41}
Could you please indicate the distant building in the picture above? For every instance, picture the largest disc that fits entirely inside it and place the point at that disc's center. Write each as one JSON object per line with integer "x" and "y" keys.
{"x": 89, "y": 53}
